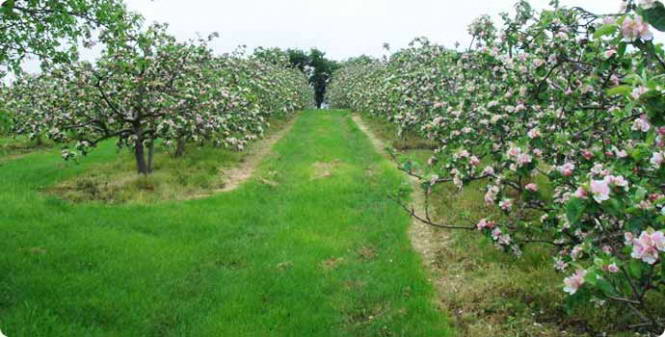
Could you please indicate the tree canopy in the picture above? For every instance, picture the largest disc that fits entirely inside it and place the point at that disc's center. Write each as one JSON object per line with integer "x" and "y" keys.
{"x": 318, "y": 68}
{"x": 51, "y": 30}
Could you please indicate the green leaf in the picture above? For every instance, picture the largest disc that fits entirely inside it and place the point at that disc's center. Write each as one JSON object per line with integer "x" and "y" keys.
{"x": 635, "y": 268}
{"x": 574, "y": 210}
{"x": 639, "y": 195}
{"x": 605, "y": 30}
{"x": 655, "y": 16}
{"x": 655, "y": 104}
{"x": 7, "y": 8}
{"x": 623, "y": 90}
{"x": 606, "y": 287}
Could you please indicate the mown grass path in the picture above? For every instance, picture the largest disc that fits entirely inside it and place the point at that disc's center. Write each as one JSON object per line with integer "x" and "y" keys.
{"x": 319, "y": 251}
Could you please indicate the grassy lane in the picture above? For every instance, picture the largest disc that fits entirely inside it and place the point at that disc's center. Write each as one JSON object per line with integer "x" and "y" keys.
{"x": 308, "y": 247}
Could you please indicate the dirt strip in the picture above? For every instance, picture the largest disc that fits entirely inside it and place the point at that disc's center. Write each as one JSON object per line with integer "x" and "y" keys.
{"x": 236, "y": 176}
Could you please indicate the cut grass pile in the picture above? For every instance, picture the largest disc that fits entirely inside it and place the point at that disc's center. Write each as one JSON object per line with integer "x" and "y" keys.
{"x": 203, "y": 171}
{"x": 319, "y": 251}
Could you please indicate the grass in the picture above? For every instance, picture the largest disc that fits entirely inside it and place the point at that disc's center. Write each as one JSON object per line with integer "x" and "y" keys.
{"x": 487, "y": 292}
{"x": 321, "y": 252}
{"x": 197, "y": 174}
{"x": 17, "y": 146}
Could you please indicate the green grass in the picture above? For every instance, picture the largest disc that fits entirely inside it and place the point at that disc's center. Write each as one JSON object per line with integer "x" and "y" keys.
{"x": 115, "y": 182}
{"x": 313, "y": 255}
{"x": 16, "y": 146}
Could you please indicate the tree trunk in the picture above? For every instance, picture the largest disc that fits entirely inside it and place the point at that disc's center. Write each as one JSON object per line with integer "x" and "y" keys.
{"x": 151, "y": 154}
{"x": 139, "y": 153}
{"x": 180, "y": 148}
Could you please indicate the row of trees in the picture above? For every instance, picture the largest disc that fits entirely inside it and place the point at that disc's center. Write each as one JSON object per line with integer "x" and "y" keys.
{"x": 559, "y": 115}
{"x": 147, "y": 88}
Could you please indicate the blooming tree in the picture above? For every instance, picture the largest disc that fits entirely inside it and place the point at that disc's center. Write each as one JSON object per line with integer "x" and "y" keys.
{"x": 149, "y": 88}
{"x": 559, "y": 115}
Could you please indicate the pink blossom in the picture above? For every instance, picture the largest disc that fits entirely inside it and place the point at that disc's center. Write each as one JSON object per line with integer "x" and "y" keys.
{"x": 607, "y": 249}
{"x": 531, "y": 187}
{"x": 566, "y": 169}
{"x": 587, "y": 154}
{"x": 473, "y": 160}
{"x": 657, "y": 159}
{"x": 576, "y": 252}
{"x": 641, "y": 124}
{"x": 619, "y": 181}
{"x": 560, "y": 264}
{"x": 659, "y": 240}
{"x": 638, "y": 92}
{"x": 608, "y": 20}
{"x": 634, "y": 29}
{"x": 483, "y": 223}
{"x": 463, "y": 154}
{"x": 496, "y": 233}
{"x": 610, "y": 52}
{"x": 615, "y": 79}
{"x": 514, "y": 151}
{"x": 600, "y": 190}
{"x": 612, "y": 268}
{"x": 490, "y": 196}
{"x": 646, "y": 247}
{"x": 598, "y": 169}
{"x": 506, "y": 204}
{"x": 655, "y": 196}
{"x": 523, "y": 159}
{"x": 533, "y": 133}
{"x": 574, "y": 282}
{"x": 581, "y": 193}
{"x": 488, "y": 171}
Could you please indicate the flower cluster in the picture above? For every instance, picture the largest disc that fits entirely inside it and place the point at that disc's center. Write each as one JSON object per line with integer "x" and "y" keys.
{"x": 564, "y": 109}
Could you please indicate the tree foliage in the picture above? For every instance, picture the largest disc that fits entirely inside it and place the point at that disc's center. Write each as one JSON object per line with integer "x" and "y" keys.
{"x": 558, "y": 114}
{"x": 318, "y": 68}
{"x": 52, "y": 29}
{"x": 148, "y": 88}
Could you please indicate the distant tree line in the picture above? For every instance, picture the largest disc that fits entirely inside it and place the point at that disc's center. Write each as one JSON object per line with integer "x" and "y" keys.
{"x": 318, "y": 68}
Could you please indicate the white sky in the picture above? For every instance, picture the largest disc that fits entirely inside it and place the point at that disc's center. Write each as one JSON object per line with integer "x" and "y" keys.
{"x": 341, "y": 28}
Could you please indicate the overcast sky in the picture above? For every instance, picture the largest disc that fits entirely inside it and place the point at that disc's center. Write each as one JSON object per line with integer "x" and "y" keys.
{"x": 341, "y": 28}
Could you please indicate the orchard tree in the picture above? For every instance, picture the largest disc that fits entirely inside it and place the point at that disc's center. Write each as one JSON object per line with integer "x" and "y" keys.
{"x": 52, "y": 29}
{"x": 558, "y": 116}
{"x": 5, "y": 119}
{"x": 298, "y": 59}
{"x": 322, "y": 70}
{"x": 32, "y": 102}
{"x": 317, "y": 67}
{"x": 148, "y": 88}
{"x": 131, "y": 95}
